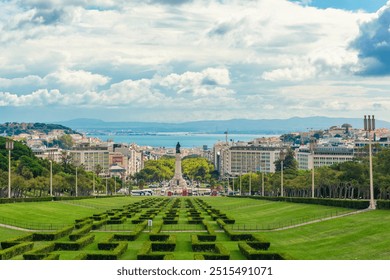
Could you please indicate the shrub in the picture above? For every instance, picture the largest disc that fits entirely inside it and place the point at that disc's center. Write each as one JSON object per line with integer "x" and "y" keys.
{"x": 99, "y": 224}
{"x": 41, "y": 253}
{"x": 75, "y": 245}
{"x": 115, "y": 252}
{"x": 52, "y": 236}
{"x": 206, "y": 237}
{"x": 383, "y": 204}
{"x": 80, "y": 232}
{"x": 215, "y": 251}
{"x": 253, "y": 254}
{"x": 158, "y": 237}
{"x": 15, "y": 241}
{"x": 345, "y": 203}
{"x": 16, "y": 250}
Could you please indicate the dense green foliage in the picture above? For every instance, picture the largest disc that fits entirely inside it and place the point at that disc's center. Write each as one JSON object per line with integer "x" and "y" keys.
{"x": 347, "y": 180}
{"x": 19, "y": 128}
{"x": 193, "y": 168}
{"x": 30, "y": 175}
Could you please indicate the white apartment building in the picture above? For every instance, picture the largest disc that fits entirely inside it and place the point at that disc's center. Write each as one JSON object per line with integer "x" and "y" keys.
{"x": 54, "y": 154}
{"x": 91, "y": 157}
{"x": 242, "y": 157}
{"x": 322, "y": 156}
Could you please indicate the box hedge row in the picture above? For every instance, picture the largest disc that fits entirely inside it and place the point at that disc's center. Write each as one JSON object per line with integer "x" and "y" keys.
{"x": 40, "y": 253}
{"x": 77, "y": 234}
{"x": 344, "y": 203}
{"x": 15, "y": 241}
{"x": 16, "y": 250}
{"x": 218, "y": 252}
{"x": 114, "y": 253}
{"x": 146, "y": 253}
{"x": 75, "y": 245}
{"x": 253, "y": 254}
{"x": 52, "y": 235}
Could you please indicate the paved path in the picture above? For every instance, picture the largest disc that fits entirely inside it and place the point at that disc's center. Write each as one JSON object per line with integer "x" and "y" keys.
{"x": 18, "y": 228}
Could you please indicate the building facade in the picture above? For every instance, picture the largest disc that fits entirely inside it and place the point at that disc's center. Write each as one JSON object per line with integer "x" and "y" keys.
{"x": 234, "y": 159}
{"x": 322, "y": 156}
{"x": 90, "y": 158}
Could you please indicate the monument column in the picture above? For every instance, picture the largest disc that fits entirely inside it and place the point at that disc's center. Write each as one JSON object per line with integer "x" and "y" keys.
{"x": 178, "y": 183}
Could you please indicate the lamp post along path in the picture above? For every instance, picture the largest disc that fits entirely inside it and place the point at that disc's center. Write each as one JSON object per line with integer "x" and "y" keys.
{"x": 312, "y": 146}
{"x": 369, "y": 126}
{"x": 9, "y": 145}
{"x": 282, "y": 157}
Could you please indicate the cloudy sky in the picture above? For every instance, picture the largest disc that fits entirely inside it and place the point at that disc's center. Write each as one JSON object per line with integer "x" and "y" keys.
{"x": 184, "y": 60}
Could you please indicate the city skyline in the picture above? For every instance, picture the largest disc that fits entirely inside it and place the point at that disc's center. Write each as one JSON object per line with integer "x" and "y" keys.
{"x": 185, "y": 60}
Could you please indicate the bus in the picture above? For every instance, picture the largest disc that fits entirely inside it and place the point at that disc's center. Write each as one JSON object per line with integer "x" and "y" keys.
{"x": 141, "y": 192}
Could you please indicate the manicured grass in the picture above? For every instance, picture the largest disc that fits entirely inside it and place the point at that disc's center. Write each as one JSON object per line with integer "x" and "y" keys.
{"x": 359, "y": 236}
{"x": 41, "y": 214}
{"x": 6, "y": 233}
{"x": 268, "y": 215}
{"x": 363, "y": 236}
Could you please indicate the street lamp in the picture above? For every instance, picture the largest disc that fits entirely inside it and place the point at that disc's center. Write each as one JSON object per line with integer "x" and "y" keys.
{"x": 312, "y": 146}
{"x": 51, "y": 177}
{"x": 262, "y": 178}
{"x": 250, "y": 183}
{"x": 76, "y": 183}
{"x": 282, "y": 157}
{"x": 9, "y": 145}
{"x": 106, "y": 185}
{"x": 240, "y": 184}
{"x": 369, "y": 125}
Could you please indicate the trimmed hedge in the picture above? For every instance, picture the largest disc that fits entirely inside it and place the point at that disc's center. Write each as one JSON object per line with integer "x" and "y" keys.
{"x": 18, "y": 249}
{"x": 15, "y": 241}
{"x": 25, "y": 199}
{"x": 209, "y": 228}
{"x": 216, "y": 251}
{"x": 80, "y": 232}
{"x": 157, "y": 250}
{"x": 235, "y": 236}
{"x": 54, "y": 235}
{"x": 99, "y": 224}
{"x": 115, "y": 252}
{"x": 145, "y": 253}
{"x": 41, "y": 253}
{"x": 159, "y": 237}
{"x": 47, "y": 198}
{"x": 252, "y": 254}
{"x": 345, "y": 203}
{"x": 75, "y": 245}
{"x": 383, "y": 204}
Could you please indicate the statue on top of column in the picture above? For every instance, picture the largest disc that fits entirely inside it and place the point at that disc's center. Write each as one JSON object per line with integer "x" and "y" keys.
{"x": 178, "y": 148}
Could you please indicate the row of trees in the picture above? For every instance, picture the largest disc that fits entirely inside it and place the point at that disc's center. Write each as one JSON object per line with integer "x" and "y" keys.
{"x": 344, "y": 180}
{"x": 193, "y": 168}
{"x": 31, "y": 175}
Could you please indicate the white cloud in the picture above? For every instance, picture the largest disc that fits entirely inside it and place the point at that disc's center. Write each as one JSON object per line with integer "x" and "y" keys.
{"x": 232, "y": 58}
{"x": 76, "y": 80}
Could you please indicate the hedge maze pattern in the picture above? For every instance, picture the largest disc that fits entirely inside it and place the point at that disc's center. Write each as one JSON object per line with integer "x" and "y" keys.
{"x": 144, "y": 230}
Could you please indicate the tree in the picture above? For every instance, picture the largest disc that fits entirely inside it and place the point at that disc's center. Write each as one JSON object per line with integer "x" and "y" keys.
{"x": 289, "y": 162}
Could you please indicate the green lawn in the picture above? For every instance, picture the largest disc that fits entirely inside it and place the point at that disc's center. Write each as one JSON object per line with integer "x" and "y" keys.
{"x": 363, "y": 236}
{"x": 268, "y": 214}
{"x": 6, "y": 233}
{"x": 39, "y": 215}
{"x": 359, "y": 236}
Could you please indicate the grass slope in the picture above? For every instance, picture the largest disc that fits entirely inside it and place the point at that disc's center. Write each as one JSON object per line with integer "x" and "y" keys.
{"x": 360, "y": 236}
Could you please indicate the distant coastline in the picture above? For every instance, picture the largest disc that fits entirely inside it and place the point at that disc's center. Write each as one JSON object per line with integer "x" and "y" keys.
{"x": 169, "y": 140}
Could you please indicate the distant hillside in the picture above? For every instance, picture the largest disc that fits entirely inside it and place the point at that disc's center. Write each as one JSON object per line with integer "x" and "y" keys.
{"x": 19, "y": 128}
{"x": 265, "y": 126}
